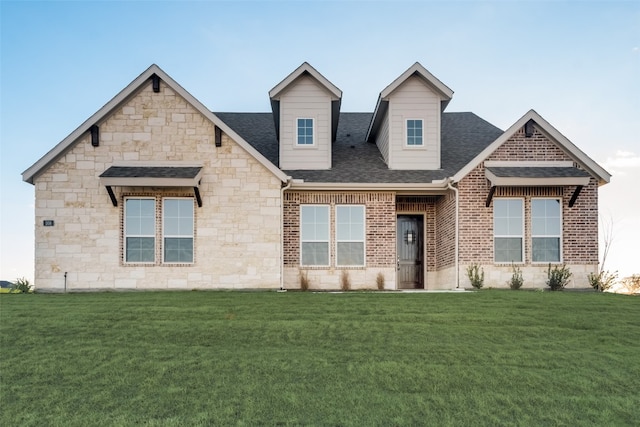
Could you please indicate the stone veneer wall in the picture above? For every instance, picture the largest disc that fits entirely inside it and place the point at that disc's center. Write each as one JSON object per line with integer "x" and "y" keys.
{"x": 580, "y": 223}
{"x": 237, "y": 230}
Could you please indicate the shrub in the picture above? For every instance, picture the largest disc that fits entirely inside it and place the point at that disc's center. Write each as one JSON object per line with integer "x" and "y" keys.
{"x": 345, "y": 281}
{"x": 558, "y": 277}
{"x": 632, "y": 283}
{"x": 517, "y": 280}
{"x": 476, "y": 275}
{"x": 21, "y": 286}
{"x": 304, "y": 280}
{"x": 603, "y": 280}
{"x": 380, "y": 281}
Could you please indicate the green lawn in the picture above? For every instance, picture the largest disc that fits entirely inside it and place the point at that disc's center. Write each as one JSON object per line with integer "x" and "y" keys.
{"x": 266, "y": 358}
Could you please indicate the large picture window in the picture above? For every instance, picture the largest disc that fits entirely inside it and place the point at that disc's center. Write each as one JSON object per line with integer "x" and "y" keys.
{"x": 546, "y": 230}
{"x": 350, "y": 232}
{"x": 314, "y": 235}
{"x": 304, "y": 132}
{"x": 508, "y": 230}
{"x": 139, "y": 230}
{"x": 177, "y": 230}
{"x": 414, "y": 132}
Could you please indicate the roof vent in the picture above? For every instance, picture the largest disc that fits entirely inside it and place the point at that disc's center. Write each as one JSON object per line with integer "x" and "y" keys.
{"x": 95, "y": 135}
{"x": 528, "y": 129}
{"x": 156, "y": 83}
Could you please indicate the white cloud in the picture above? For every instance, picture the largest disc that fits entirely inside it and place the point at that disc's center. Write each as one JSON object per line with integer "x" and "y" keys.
{"x": 621, "y": 161}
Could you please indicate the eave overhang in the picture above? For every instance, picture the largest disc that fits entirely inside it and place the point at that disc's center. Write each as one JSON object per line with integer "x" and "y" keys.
{"x": 578, "y": 156}
{"x": 382, "y": 105}
{"x": 152, "y": 176}
{"x": 152, "y": 75}
{"x": 536, "y": 176}
{"x": 306, "y": 70}
{"x": 433, "y": 188}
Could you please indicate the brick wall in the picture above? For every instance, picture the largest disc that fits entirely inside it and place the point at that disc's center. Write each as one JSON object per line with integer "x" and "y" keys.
{"x": 445, "y": 231}
{"x": 580, "y": 223}
{"x": 380, "y": 224}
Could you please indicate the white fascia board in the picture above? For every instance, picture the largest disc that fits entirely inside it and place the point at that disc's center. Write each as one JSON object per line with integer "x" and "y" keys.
{"x": 154, "y": 163}
{"x": 527, "y": 164}
{"x": 553, "y": 134}
{"x": 149, "y": 182}
{"x": 53, "y": 154}
{"x": 305, "y": 67}
{"x": 122, "y": 96}
{"x": 438, "y": 187}
{"x": 445, "y": 92}
{"x": 498, "y": 181}
{"x": 580, "y": 156}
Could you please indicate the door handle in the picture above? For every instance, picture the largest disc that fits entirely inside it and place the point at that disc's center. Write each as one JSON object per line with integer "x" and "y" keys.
{"x": 398, "y": 265}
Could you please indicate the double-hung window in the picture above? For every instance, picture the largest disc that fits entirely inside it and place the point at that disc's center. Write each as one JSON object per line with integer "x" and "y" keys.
{"x": 314, "y": 235}
{"x": 140, "y": 230}
{"x": 304, "y": 132}
{"x": 350, "y": 234}
{"x": 140, "y": 218}
{"x": 177, "y": 230}
{"x": 546, "y": 219}
{"x": 508, "y": 230}
{"x": 414, "y": 133}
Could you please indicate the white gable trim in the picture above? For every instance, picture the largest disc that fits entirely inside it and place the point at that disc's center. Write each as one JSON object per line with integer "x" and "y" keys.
{"x": 305, "y": 68}
{"x": 417, "y": 69}
{"x": 444, "y": 91}
{"x": 550, "y": 132}
{"x": 57, "y": 151}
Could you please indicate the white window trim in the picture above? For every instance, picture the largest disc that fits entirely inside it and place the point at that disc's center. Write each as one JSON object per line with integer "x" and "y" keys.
{"x": 314, "y": 135}
{"x": 363, "y": 241}
{"x": 406, "y": 135}
{"x": 193, "y": 232}
{"x": 125, "y": 235}
{"x": 523, "y": 262}
{"x": 328, "y": 241}
{"x": 558, "y": 199}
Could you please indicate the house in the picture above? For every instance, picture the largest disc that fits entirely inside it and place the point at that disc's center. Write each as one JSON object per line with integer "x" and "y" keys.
{"x": 155, "y": 191}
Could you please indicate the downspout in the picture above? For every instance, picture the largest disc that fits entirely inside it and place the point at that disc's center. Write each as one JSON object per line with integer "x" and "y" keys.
{"x": 455, "y": 190}
{"x": 282, "y": 190}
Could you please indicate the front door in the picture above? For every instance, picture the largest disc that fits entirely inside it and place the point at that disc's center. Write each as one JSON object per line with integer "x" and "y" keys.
{"x": 410, "y": 251}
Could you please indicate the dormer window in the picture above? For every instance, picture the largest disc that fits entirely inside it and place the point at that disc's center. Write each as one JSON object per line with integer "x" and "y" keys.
{"x": 414, "y": 133}
{"x": 304, "y": 132}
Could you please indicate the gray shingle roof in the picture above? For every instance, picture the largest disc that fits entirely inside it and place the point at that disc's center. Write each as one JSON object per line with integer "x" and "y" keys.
{"x": 538, "y": 172}
{"x": 464, "y": 135}
{"x": 151, "y": 172}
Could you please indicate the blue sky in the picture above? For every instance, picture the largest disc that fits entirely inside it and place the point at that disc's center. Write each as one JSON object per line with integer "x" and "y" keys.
{"x": 576, "y": 63}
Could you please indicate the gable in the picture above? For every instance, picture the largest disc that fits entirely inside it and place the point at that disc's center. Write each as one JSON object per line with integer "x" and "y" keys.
{"x": 532, "y": 138}
{"x": 150, "y": 80}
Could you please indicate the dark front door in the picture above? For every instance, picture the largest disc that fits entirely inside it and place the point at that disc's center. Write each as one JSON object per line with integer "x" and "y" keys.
{"x": 410, "y": 252}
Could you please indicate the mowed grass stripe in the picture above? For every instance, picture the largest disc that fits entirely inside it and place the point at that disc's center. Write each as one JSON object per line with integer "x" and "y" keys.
{"x": 266, "y": 358}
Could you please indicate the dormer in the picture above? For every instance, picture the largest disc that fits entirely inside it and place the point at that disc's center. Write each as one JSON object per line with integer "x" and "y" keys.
{"x": 407, "y": 120}
{"x": 306, "y": 108}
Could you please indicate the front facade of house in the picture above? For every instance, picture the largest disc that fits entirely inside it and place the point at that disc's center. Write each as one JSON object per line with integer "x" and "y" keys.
{"x": 155, "y": 191}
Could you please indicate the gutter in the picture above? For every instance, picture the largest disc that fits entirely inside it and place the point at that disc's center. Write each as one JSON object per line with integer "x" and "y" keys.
{"x": 457, "y": 266}
{"x": 435, "y": 187}
{"x": 282, "y": 190}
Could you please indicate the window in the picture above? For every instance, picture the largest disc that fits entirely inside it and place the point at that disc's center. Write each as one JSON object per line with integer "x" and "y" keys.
{"x": 305, "y": 132}
{"x": 139, "y": 230}
{"x": 177, "y": 230}
{"x": 314, "y": 235}
{"x": 350, "y": 235}
{"x": 508, "y": 230}
{"x": 545, "y": 230}
{"x": 414, "y": 132}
